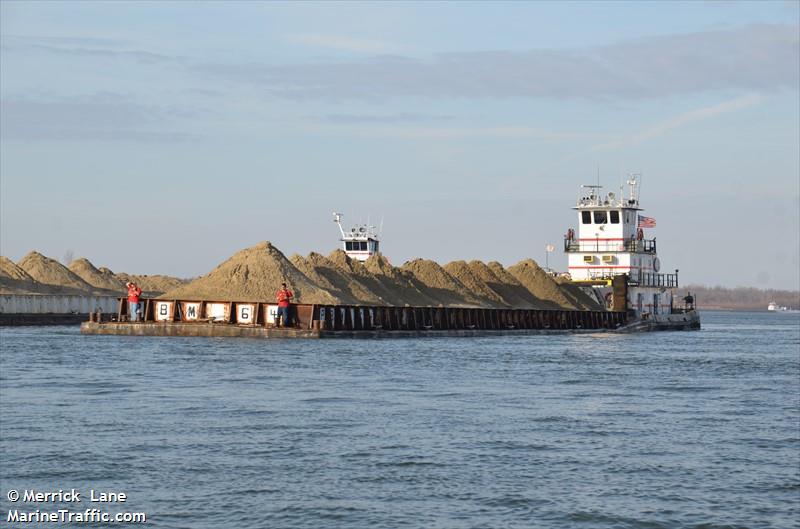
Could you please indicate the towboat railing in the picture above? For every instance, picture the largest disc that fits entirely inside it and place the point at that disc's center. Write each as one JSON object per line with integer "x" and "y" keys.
{"x": 649, "y": 279}
{"x": 606, "y": 245}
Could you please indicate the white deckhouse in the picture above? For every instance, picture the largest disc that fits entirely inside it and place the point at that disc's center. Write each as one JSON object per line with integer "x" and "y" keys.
{"x": 361, "y": 241}
{"x": 610, "y": 241}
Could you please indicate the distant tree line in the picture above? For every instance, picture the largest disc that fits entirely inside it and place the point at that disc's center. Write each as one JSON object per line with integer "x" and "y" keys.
{"x": 740, "y": 298}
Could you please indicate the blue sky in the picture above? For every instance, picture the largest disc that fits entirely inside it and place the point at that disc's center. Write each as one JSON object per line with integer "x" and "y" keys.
{"x": 156, "y": 137}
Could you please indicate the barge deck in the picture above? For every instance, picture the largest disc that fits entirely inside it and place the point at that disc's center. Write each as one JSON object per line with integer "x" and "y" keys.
{"x": 258, "y": 320}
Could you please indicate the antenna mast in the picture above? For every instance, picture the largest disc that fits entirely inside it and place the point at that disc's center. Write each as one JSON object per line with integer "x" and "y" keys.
{"x": 633, "y": 182}
{"x": 337, "y": 218}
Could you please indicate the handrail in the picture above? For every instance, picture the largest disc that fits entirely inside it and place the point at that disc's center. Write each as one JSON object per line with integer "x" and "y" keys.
{"x": 600, "y": 245}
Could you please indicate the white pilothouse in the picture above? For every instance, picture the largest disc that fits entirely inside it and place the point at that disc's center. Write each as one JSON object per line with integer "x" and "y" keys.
{"x": 361, "y": 242}
{"x": 611, "y": 242}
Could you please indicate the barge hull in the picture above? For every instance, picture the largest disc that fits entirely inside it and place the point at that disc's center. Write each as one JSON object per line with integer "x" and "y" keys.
{"x": 239, "y": 331}
{"x": 256, "y": 320}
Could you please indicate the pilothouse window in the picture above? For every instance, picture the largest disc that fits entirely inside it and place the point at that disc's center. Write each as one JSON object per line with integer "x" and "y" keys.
{"x": 348, "y": 246}
{"x": 613, "y": 217}
{"x": 599, "y": 217}
{"x": 586, "y": 217}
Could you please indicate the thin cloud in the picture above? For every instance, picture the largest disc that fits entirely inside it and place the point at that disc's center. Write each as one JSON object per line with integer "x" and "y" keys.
{"x": 342, "y": 42}
{"x": 103, "y": 117}
{"x": 680, "y": 120}
{"x": 70, "y": 41}
{"x": 448, "y": 133}
{"x": 385, "y": 118}
{"x": 83, "y": 47}
{"x": 755, "y": 58}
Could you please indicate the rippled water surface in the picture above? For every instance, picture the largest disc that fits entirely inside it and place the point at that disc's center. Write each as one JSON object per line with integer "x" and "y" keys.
{"x": 686, "y": 429}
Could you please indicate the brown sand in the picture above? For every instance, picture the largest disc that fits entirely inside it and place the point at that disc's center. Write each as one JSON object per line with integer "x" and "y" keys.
{"x": 255, "y": 274}
{"x": 15, "y": 280}
{"x": 439, "y": 284}
{"x": 342, "y": 286}
{"x": 579, "y": 298}
{"x": 514, "y": 288}
{"x": 540, "y": 284}
{"x": 9, "y": 269}
{"x": 55, "y": 276}
{"x": 512, "y": 293}
{"x": 354, "y": 285}
{"x": 461, "y": 271}
{"x": 151, "y": 285}
{"x": 378, "y": 286}
{"x": 100, "y": 280}
{"x": 399, "y": 287}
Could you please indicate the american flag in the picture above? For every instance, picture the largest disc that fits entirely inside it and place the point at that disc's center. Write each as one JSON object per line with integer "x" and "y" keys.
{"x": 646, "y": 222}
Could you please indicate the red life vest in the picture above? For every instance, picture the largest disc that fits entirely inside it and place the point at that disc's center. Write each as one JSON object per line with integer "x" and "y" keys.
{"x": 283, "y": 296}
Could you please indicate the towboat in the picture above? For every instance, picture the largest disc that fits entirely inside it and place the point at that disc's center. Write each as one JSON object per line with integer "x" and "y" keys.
{"x": 613, "y": 259}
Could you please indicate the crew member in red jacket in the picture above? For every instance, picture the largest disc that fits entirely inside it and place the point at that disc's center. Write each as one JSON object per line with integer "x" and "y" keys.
{"x": 133, "y": 300}
{"x": 283, "y": 296}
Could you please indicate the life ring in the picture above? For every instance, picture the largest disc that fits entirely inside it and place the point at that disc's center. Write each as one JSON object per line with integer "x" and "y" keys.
{"x": 608, "y": 299}
{"x": 639, "y": 234}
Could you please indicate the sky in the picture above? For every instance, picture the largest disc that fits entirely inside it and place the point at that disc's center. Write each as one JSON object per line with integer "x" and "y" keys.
{"x": 158, "y": 137}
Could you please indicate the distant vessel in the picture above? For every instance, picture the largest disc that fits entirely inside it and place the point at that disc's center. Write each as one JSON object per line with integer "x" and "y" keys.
{"x": 361, "y": 242}
{"x": 774, "y": 307}
{"x": 610, "y": 258}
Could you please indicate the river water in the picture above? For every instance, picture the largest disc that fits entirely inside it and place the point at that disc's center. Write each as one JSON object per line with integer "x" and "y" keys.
{"x": 685, "y": 429}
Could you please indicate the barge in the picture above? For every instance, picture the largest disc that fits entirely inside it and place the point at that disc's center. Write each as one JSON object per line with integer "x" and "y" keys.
{"x": 251, "y": 319}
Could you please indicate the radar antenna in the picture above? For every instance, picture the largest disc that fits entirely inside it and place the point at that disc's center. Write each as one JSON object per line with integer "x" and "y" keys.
{"x": 337, "y": 218}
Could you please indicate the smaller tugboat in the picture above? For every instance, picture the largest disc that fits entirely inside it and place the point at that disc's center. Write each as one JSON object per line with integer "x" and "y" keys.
{"x": 611, "y": 259}
{"x": 361, "y": 241}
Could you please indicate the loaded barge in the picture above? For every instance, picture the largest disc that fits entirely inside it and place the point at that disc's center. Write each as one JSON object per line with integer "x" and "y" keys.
{"x": 257, "y": 320}
{"x": 609, "y": 258}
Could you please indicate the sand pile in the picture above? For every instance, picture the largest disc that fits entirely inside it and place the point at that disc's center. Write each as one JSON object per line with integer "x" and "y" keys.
{"x": 151, "y": 285}
{"x": 255, "y": 274}
{"x": 353, "y": 284}
{"x": 379, "y": 287}
{"x": 440, "y": 285}
{"x": 101, "y": 280}
{"x": 327, "y": 276}
{"x": 511, "y": 289}
{"x": 461, "y": 271}
{"x": 579, "y": 298}
{"x": 400, "y": 287}
{"x": 56, "y": 277}
{"x": 530, "y": 275}
{"x": 9, "y": 269}
{"x": 38, "y": 274}
{"x": 304, "y": 265}
{"x": 511, "y": 293}
{"x": 15, "y": 280}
